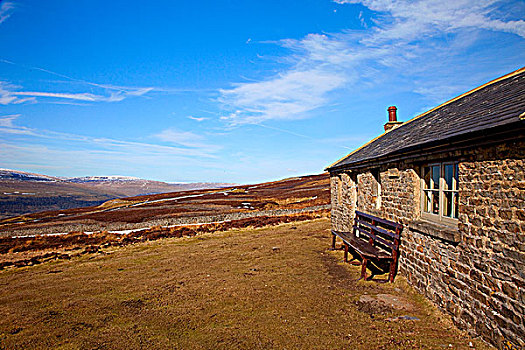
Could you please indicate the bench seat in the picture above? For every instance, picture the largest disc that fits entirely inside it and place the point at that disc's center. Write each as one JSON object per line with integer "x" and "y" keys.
{"x": 362, "y": 247}
{"x": 372, "y": 238}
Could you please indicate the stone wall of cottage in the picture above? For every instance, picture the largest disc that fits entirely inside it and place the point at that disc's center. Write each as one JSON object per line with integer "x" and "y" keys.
{"x": 343, "y": 201}
{"x": 475, "y": 271}
{"x": 492, "y": 257}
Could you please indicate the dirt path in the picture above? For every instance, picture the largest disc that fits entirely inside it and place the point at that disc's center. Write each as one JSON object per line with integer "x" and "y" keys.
{"x": 270, "y": 288}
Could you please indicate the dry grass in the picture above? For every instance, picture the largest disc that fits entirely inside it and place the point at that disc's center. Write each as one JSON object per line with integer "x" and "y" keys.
{"x": 268, "y": 288}
{"x": 117, "y": 203}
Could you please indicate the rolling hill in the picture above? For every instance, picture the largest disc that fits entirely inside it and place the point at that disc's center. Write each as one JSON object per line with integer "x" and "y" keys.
{"x": 23, "y": 192}
{"x": 288, "y": 196}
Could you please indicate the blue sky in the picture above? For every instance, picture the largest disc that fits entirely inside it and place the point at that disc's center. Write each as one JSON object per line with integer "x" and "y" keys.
{"x": 235, "y": 90}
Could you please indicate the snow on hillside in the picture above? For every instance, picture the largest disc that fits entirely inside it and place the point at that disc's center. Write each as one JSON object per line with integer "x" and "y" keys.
{"x": 103, "y": 178}
{"x": 9, "y": 174}
{"x": 114, "y": 185}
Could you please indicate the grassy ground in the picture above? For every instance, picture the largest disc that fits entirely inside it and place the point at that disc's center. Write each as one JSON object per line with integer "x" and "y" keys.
{"x": 270, "y": 288}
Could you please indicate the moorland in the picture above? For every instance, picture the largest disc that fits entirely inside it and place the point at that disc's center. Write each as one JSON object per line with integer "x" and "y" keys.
{"x": 275, "y": 287}
{"x": 231, "y": 268}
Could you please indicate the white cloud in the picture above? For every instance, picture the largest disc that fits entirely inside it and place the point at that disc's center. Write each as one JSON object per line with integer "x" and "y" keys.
{"x": 7, "y": 120}
{"x": 125, "y": 158}
{"x": 81, "y": 97}
{"x": 405, "y": 36}
{"x": 5, "y": 10}
{"x": 7, "y": 126}
{"x": 8, "y": 95}
{"x": 198, "y": 119}
{"x": 192, "y": 143}
{"x": 181, "y": 137}
{"x": 295, "y": 92}
{"x": 413, "y": 19}
{"x": 139, "y": 92}
{"x": 187, "y": 139}
{"x": 31, "y": 148}
{"x": 107, "y": 93}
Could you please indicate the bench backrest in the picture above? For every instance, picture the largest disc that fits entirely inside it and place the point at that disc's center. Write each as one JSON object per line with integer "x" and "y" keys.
{"x": 381, "y": 233}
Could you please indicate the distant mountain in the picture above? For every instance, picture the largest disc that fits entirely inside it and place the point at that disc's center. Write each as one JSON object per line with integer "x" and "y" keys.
{"x": 8, "y": 174}
{"x": 102, "y": 178}
{"x": 23, "y": 192}
{"x": 128, "y": 186}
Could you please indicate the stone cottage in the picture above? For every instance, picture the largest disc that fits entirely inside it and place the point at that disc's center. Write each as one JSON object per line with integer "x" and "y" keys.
{"x": 455, "y": 178}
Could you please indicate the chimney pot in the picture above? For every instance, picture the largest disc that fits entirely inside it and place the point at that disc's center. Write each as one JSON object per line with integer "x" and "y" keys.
{"x": 392, "y": 119}
{"x": 392, "y": 114}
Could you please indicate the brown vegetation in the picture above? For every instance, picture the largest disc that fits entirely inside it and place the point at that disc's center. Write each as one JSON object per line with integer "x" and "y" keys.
{"x": 167, "y": 208}
{"x": 269, "y": 288}
{"x": 46, "y": 247}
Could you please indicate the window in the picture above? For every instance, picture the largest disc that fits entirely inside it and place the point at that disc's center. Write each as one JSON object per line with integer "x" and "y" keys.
{"x": 439, "y": 197}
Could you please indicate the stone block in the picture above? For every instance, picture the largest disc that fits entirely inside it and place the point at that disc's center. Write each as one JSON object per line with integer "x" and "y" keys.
{"x": 510, "y": 290}
{"x": 476, "y": 275}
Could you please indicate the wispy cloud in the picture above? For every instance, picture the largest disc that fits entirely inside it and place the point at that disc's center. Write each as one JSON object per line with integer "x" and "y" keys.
{"x": 190, "y": 147}
{"x": 7, "y": 120}
{"x": 10, "y": 95}
{"x": 23, "y": 147}
{"x": 113, "y": 97}
{"x": 198, "y": 119}
{"x": 108, "y": 93}
{"x": 6, "y": 9}
{"x": 81, "y": 97}
{"x": 292, "y": 93}
{"x": 187, "y": 139}
{"x": 7, "y": 96}
{"x": 402, "y": 35}
{"x": 7, "y": 126}
{"x": 409, "y": 20}
{"x": 122, "y": 158}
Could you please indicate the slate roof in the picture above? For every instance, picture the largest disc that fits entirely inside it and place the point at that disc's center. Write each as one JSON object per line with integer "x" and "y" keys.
{"x": 497, "y": 103}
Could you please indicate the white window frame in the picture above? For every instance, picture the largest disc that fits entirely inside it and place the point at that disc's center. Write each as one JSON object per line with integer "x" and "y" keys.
{"x": 440, "y": 217}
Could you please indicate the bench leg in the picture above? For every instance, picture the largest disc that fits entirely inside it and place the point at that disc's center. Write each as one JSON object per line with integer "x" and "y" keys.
{"x": 357, "y": 263}
{"x": 346, "y": 253}
{"x": 363, "y": 268}
{"x": 392, "y": 273}
{"x": 333, "y": 241}
{"x": 354, "y": 257}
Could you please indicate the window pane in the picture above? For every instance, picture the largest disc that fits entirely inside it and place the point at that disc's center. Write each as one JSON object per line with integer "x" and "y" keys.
{"x": 435, "y": 177}
{"x": 456, "y": 176}
{"x": 431, "y": 202}
{"x": 426, "y": 176}
{"x": 447, "y": 204}
{"x": 435, "y": 202}
{"x": 449, "y": 175}
{"x": 427, "y": 201}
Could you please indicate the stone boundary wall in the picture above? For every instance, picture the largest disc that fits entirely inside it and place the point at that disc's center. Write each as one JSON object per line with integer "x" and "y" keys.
{"x": 475, "y": 271}
{"x": 186, "y": 220}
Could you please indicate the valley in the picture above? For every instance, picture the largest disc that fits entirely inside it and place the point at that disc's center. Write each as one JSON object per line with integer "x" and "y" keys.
{"x": 23, "y": 192}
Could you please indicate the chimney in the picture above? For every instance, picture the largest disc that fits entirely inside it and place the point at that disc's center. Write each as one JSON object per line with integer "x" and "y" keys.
{"x": 392, "y": 119}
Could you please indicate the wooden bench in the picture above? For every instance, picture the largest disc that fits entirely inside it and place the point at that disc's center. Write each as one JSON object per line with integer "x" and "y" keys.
{"x": 371, "y": 238}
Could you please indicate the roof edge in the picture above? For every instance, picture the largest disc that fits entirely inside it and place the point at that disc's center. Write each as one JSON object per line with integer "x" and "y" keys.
{"x": 479, "y": 137}
{"x": 506, "y": 76}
